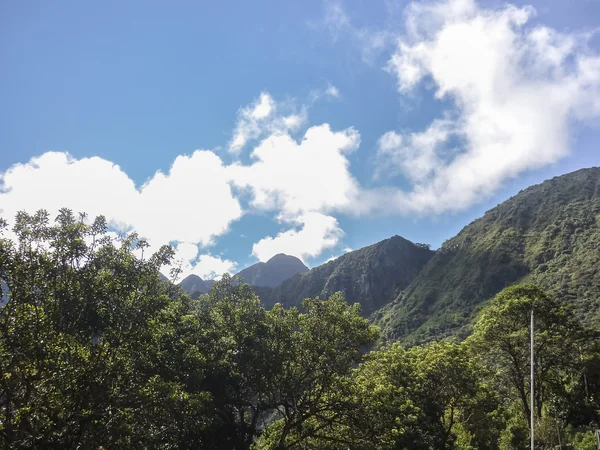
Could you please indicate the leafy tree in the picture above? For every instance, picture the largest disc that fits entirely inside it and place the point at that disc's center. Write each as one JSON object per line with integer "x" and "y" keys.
{"x": 458, "y": 395}
{"x": 242, "y": 360}
{"x": 96, "y": 351}
{"x": 312, "y": 388}
{"x": 502, "y": 333}
{"x": 87, "y": 353}
{"x": 435, "y": 396}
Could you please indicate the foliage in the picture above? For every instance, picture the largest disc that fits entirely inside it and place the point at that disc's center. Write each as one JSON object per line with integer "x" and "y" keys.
{"x": 503, "y": 334}
{"x": 85, "y": 341}
{"x": 584, "y": 441}
{"x": 98, "y": 351}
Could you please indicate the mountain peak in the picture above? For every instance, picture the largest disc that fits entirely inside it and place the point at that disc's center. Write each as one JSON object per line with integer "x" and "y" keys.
{"x": 275, "y": 271}
{"x": 193, "y": 283}
{"x": 537, "y": 236}
{"x": 193, "y": 277}
{"x": 371, "y": 275}
{"x": 282, "y": 256}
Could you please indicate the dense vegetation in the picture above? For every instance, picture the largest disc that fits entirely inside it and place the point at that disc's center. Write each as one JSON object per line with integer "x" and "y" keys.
{"x": 548, "y": 234}
{"x": 97, "y": 351}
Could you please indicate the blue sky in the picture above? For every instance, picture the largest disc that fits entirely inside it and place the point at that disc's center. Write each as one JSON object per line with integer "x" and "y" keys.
{"x": 429, "y": 122}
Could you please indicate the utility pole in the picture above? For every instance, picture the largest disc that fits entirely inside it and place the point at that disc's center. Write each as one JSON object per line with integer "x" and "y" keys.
{"x": 532, "y": 407}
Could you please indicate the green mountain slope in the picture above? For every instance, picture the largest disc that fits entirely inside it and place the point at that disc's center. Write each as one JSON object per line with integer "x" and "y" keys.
{"x": 371, "y": 276}
{"x": 548, "y": 234}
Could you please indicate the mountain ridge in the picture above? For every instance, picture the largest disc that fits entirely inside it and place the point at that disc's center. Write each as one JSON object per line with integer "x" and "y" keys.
{"x": 370, "y": 275}
{"x": 273, "y": 272}
{"x": 548, "y": 234}
{"x": 262, "y": 274}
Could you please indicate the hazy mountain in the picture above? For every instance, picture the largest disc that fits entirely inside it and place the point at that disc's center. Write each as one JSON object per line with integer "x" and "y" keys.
{"x": 273, "y": 272}
{"x": 263, "y": 274}
{"x": 371, "y": 276}
{"x": 548, "y": 234}
{"x": 193, "y": 283}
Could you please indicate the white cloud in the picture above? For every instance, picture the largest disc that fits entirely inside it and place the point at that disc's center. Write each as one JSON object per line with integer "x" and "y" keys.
{"x": 262, "y": 118}
{"x": 416, "y": 155}
{"x": 206, "y": 266}
{"x": 346, "y": 250}
{"x": 335, "y": 19}
{"x": 192, "y": 203}
{"x": 515, "y": 91}
{"x": 210, "y": 267}
{"x": 332, "y": 91}
{"x": 319, "y": 232}
{"x": 296, "y": 177}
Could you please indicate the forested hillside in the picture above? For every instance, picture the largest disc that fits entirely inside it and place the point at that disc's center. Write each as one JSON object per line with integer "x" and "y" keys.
{"x": 371, "y": 276}
{"x": 548, "y": 234}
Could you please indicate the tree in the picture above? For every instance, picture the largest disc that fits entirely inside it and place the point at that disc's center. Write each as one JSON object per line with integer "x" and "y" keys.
{"x": 88, "y": 353}
{"x": 502, "y": 334}
{"x": 458, "y": 396}
{"x": 312, "y": 386}
{"x": 243, "y": 372}
{"x": 435, "y": 396}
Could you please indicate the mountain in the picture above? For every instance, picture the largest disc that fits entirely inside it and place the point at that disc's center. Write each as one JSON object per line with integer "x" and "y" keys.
{"x": 260, "y": 275}
{"x": 371, "y": 276}
{"x": 193, "y": 283}
{"x": 548, "y": 234}
{"x": 273, "y": 272}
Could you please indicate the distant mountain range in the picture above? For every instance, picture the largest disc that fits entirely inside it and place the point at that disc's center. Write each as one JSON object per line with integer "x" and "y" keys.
{"x": 371, "y": 276}
{"x": 274, "y": 272}
{"x": 263, "y": 274}
{"x": 548, "y": 234}
{"x": 193, "y": 283}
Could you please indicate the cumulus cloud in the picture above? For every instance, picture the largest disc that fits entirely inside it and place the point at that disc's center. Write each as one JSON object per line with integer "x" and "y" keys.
{"x": 262, "y": 118}
{"x": 515, "y": 89}
{"x": 296, "y": 177}
{"x": 332, "y": 91}
{"x": 299, "y": 180}
{"x": 159, "y": 211}
{"x": 206, "y": 266}
{"x": 318, "y": 232}
{"x": 414, "y": 155}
